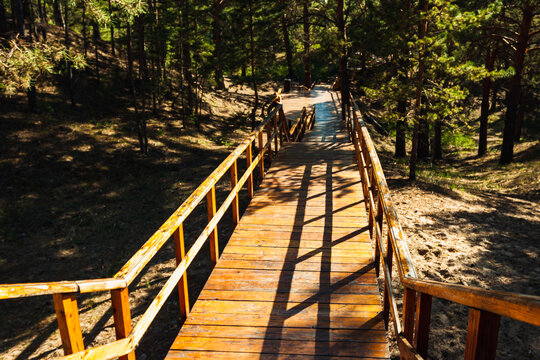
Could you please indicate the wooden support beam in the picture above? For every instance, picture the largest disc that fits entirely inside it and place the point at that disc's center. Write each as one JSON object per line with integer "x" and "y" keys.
{"x": 482, "y": 335}
{"x": 269, "y": 142}
{"x": 423, "y": 319}
{"x": 122, "y": 317}
{"x": 235, "y": 205}
{"x": 214, "y": 245}
{"x": 249, "y": 160}
{"x": 180, "y": 252}
{"x": 261, "y": 150}
{"x": 67, "y": 314}
{"x": 278, "y": 133}
{"x": 409, "y": 306}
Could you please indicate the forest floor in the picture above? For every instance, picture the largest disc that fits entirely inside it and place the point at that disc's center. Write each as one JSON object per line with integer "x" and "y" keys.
{"x": 78, "y": 200}
{"x": 471, "y": 221}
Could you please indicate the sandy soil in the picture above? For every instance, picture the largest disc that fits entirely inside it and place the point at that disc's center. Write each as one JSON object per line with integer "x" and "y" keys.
{"x": 468, "y": 221}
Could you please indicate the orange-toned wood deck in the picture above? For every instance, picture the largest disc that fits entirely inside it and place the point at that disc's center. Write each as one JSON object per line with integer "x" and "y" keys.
{"x": 296, "y": 280}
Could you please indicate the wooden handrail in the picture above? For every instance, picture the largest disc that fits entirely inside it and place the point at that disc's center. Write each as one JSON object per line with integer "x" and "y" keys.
{"x": 525, "y": 308}
{"x": 127, "y": 340}
{"x": 486, "y": 306}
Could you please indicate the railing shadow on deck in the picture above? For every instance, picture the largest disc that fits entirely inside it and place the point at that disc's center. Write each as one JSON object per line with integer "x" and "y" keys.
{"x": 65, "y": 293}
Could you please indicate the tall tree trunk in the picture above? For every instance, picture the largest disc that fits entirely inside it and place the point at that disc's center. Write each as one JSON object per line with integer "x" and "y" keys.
{"x": 57, "y": 13}
{"x": 17, "y": 12}
{"x": 423, "y": 135}
{"x": 519, "y": 116}
{"x": 42, "y": 18}
{"x": 217, "y": 9}
{"x": 401, "y": 124}
{"x": 253, "y": 70}
{"x": 287, "y": 45}
{"x": 437, "y": 140}
{"x": 307, "y": 61}
{"x": 69, "y": 69}
{"x": 3, "y": 18}
{"x": 484, "y": 112}
{"x": 96, "y": 38}
{"x": 186, "y": 51}
{"x": 423, "y": 5}
{"x": 84, "y": 32}
{"x": 401, "y": 128}
{"x": 513, "y": 95}
{"x": 343, "y": 71}
{"x": 129, "y": 55}
{"x": 143, "y": 75}
{"x": 111, "y": 28}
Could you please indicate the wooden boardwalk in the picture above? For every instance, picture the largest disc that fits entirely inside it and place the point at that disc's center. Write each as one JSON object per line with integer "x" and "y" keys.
{"x": 296, "y": 280}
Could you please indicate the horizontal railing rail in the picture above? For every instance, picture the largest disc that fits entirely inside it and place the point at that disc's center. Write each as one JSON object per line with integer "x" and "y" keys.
{"x": 64, "y": 293}
{"x": 486, "y": 306}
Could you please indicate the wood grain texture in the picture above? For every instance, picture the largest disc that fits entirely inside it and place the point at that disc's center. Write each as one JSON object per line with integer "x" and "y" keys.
{"x": 296, "y": 279}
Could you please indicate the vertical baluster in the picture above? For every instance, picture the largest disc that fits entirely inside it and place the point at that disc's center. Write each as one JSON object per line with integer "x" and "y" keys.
{"x": 261, "y": 151}
{"x": 180, "y": 252}
{"x": 211, "y": 205}
{"x": 284, "y": 123}
{"x": 409, "y": 306}
{"x": 249, "y": 159}
{"x": 67, "y": 315}
{"x": 269, "y": 142}
{"x": 482, "y": 335}
{"x": 235, "y": 205}
{"x": 423, "y": 319}
{"x": 278, "y": 133}
{"x": 122, "y": 317}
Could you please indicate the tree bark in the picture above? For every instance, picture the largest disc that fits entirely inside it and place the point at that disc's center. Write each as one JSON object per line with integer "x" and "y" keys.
{"x": 401, "y": 124}
{"x": 3, "y": 18}
{"x": 423, "y": 5}
{"x": 111, "y": 28}
{"x": 57, "y": 13}
{"x": 217, "y": 9}
{"x": 69, "y": 69}
{"x": 186, "y": 51}
{"x": 343, "y": 71}
{"x": 143, "y": 75}
{"x": 96, "y": 38}
{"x": 513, "y": 95}
{"x": 401, "y": 127}
{"x": 287, "y": 45}
{"x": 253, "y": 70}
{"x": 437, "y": 140}
{"x": 17, "y": 12}
{"x": 84, "y": 32}
{"x": 423, "y": 136}
{"x": 307, "y": 60}
{"x": 484, "y": 112}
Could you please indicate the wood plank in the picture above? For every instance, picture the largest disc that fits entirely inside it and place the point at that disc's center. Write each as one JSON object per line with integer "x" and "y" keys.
{"x": 291, "y": 347}
{"x": 296, "y": 279}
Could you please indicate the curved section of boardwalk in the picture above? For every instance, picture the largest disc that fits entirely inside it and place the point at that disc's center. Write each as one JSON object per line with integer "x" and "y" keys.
{"x": 296, "y": 280}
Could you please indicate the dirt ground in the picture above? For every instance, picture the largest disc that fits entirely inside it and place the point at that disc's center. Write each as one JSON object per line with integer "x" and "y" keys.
{"x": 471, "y": 221}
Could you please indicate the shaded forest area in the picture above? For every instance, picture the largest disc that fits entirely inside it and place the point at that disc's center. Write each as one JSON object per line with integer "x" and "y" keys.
{"x": 112, "y": 112}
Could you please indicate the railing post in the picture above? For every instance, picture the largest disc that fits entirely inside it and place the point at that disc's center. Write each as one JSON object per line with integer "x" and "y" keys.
{"x": 284, "y": 123}
{"x": 269, "y": 142}
{"x": 180, "y": 252}
{"x": 278, "y": 133}
{"x": 423, "y": 319}
{"x": 235, "y": 205}
{"x": 482, "y": 335}
{"x": 386, "y": 299}
{"x": 122, "y": 317}
{"x": 249, "y": 159}
{"x": 409, "y": 306}
{"x": 261, "y": 151}
{"x": 67, "y": 315}
{"x": 211, "y": 205}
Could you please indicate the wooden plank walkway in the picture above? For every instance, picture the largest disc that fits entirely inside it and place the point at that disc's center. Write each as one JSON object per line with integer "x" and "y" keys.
{"x": 296, "y": 280}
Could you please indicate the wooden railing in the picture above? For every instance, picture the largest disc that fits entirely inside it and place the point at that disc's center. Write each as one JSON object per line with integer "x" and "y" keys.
{"x": 65, "y": 293}
{"x": 486, "y": 307}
